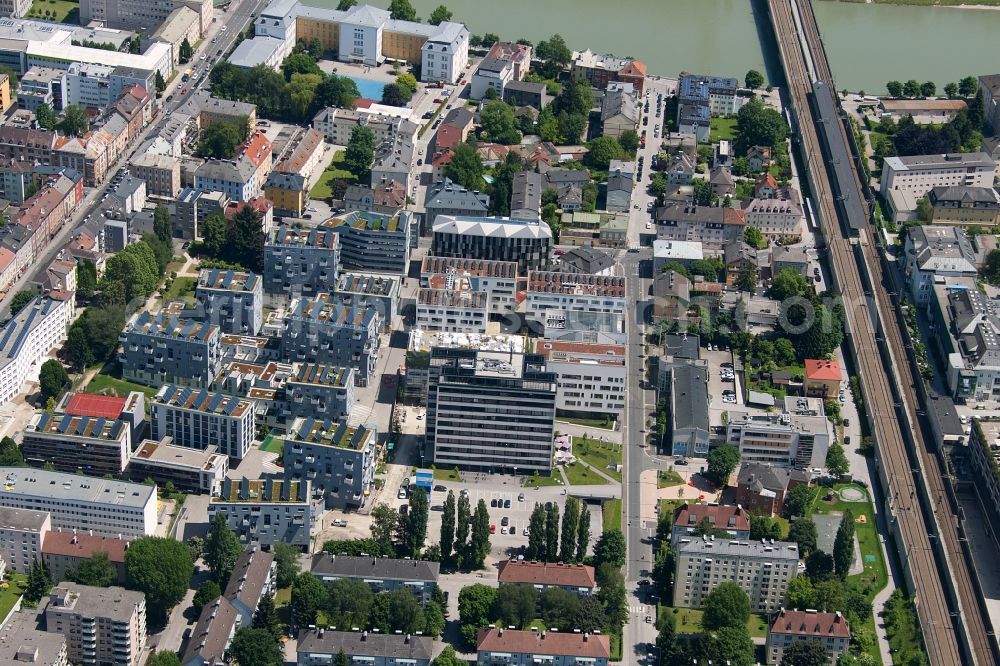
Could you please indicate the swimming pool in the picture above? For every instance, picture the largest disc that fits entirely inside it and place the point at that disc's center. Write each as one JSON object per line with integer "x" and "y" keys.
{"x": 369, "y": 89}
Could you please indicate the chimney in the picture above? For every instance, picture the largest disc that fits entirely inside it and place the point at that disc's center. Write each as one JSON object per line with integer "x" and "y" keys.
{"x": 586, "y": 635}
{"x": 407, "y": 638}
{"x": 543, "y": 635}
{"x": 364, "y": 636}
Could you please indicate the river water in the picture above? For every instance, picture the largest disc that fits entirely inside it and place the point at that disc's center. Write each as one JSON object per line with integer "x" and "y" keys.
{"x": 867, "y": 44}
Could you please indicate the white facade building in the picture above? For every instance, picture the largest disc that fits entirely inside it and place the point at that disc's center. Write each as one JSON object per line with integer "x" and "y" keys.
{"x": 591, "y": 377}
{"x": 789, "y": 440}
{"x": 552, "y": 294}
{"x": 28, "y": 338}
{"x": 22, "y": 533}
{"x": 917, "y": 175}
{"x": 198, "y": 419}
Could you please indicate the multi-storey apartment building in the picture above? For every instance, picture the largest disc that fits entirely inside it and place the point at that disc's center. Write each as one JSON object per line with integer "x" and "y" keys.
{"x": 337, "y": 124}
{"x": 789, "y": 627}
{"x": 233, "y": 300}
{"x": 498, "y": 279}
{"x": 63, "y": 552}
{"x": 104, "y": 506}
{"x": 301, "y": 262}
{"x": 689, "y": 518}
{"x": 447, "y": 198}
{"x": 505, "y": 62}
{"x": 560, "y": 296}
{"x": 490, "y": 411}
{"x": 511, "y": 646}
{"x": 452, "y": 304}
{"x": 370, "y": 291}
{"x": 718, "y": 93}
{"x": 27, "y": 339}
{"x": 68, "y": 443}
{"x": 323, "y": 392}
{"x": 338, "y": 460}
{"x": 22, "y": 534}
{"x": 326, "y": 332}
{"x": 382, "y": 574}
{"x": 762, "y": 569}
{"x": 599, "y": 70}
{"x": 935, "y": 252}
{"x": 158, "y": 349}
{"x": 102, "y": 625}
{"x": 321, "y": 646}
{"x": 266, "y": 511}
{"x": 962, "y": 205}
{"x": 776, "y": 216}
{"x": 527, "y": 242}
{"x": 590, "y": 377}
{"x": 374, "y": 242}
{"x": 197, "y": 419}
{"x": 916, "y": 175}
{"x": 190, "y": 470}
{"x": 712, "y": 226}
{"x": 21, "y": 640}
{"x": 253, "y": 578}
{"x": 576, "y": 578}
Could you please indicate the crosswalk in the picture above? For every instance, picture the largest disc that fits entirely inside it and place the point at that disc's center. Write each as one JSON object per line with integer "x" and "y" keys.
{"x": 638, "y": 610}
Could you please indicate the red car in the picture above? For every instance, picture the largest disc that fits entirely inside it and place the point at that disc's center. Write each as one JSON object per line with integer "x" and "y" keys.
{"x": 184, "y": 91}
{"x": 493, "y": 529}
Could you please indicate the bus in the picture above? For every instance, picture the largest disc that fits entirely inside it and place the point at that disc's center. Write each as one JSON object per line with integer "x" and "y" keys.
{"x": 187, "y": 75}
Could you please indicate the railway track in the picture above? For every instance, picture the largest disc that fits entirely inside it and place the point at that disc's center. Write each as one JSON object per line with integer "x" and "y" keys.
{"x": 919, "y": 510}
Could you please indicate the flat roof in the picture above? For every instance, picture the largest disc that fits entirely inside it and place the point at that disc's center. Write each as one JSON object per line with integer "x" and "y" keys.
{"x": 54, "y": 486}
{"x": 326, "y": 433}
{"x": 200, "y": 400}
{"x": 178, "y": 456}
{"x": 92, "y": 404}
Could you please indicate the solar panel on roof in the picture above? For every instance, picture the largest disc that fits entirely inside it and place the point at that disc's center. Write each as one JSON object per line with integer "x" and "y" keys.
{"x": 64, "y": 424}
{"x": 216, "y": 401}
{"x": 230, "y": 406}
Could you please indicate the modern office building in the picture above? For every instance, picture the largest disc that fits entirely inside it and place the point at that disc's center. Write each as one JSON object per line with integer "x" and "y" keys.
{"x": 105, "y": 506}
{"x": 338, "y": 460}
{"x": 590, "y": 377}
{"x": 382, "y": 574}
{"x": 320, "y": 330}
{"x": 102, "y": 625}
{"x": 160, "y": 349}
{"x": 317, "y": 647}
{"x": 301, "y": 262}
{"x": 561, "y": 296}
{"x": 916, "y": 175}
{"x": 232, "y": 300}
{"x": 789, "y": 627}
{"x": 511, "y": 646}
{"x": 375, "y": 243}
{"x": 762, "y": 569}
{"x": 498, "y": 279}
{"x": 198, "y": 419}
{"x": 792, "y": 440}
{"x": 267, "y": 511}
{"x": 576, "y": 578}
{"x": 425, "y": 344}
{"x": 527, "y": 242}
{"x": 322, "y": 392}
{"x": 22, "y": 535}
{"x": 91, "y": 445}
{"x": 29, "y": 336}
{"x": 933, "y": 253}
{"x": 189, "y": 470}
{"x": 490, "y": 411}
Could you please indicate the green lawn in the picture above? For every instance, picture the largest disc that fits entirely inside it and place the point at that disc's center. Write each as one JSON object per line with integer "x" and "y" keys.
{"x": 723, "y": 129}
{"x": 447, "y": 475}
{"x": 14, "y": 589}
{"x": 688, "y": 621}
{"x": 668, "y": 478}
{"x": 599, "y": 454}
{"x": 604, "y": 423}
{"x": 107, "y": 385}
{"x": 273, "y": 444}
{"x": 62, "y": 11}
{"x": 321, "y": 190}
{"x": 541, "y": 481}
{"x": 611, "y": 511}
{"x": 181, "y": 289}
{"x": 875, "y": 575}
{"x": 579, "y": 474}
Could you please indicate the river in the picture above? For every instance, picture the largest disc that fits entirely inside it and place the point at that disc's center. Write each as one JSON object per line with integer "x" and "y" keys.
{"x": 867, "y": 44}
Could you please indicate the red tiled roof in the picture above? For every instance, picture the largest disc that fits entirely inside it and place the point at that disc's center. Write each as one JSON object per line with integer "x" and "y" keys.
{"x": 811, "y": 623}
{"x": 822, "y": 370}
{"x": 256, "y": 148}
{"x": 84, "y": 546}
{"x": 595, "y": 646}
{"x": 98, "y": 406}
{"x": 547, "y": 573}
{"x": 723, "y": 517}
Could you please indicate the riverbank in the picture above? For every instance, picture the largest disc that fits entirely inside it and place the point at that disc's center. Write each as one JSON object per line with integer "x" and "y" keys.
{"x": 951, "y": 4}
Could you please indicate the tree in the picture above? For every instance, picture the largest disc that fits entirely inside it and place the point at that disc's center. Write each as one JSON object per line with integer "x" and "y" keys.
{"x": 805, "y": 653}
{"x": 308, "y": 596}
{"x": 895, "y": 88}
{"x": 315, "y": 48}
{"x": 10, "y": 453}
{"x": 349, "y": 603}
{"x": 614, "y": 599}
{"x": 75, "y": 121}
{"x": 255, "y": 647}
{"x": 763, "y": 527}
{"x": 536, "y": 532}
{"x": 86, "y": 278}
{"x": 911, "y": 88}
{"x": 951, "y": 90}
{"x": 992, "y": 270}
{"x": 299, "y": 63}
{"x": 667, "y": 646}
{"x": 385, "y": 522}
{"x": 843, "y": 545}
{"x": 803, "y": 533}
{"x": 39, "y": 581}
{"x": 823, "y": 337}
{"x": 702, "y": 192}
{"x": 52, "y": 379}
{"x": 344, "y": 5}
{"x": 439, "y": 15}
{"x": 396, "y": 95}
{"x": 552, "y": 532}
{"x": 342, "y": 659}
{"x": 629, "y": 141}
{"x": 402, "y": 10}
{"x": 498, "y": 124}
{"x": 800, "y": 593}
{"x": 46, "y": 117}
{"x": 397, "y": 610}
{"x": 731, "y": 645}
{"x": 408, "y": 81}
{"x": 722, "y": 461}
{"x": 448, "y": 527}
{"x": 726, "y": 606}
{"x": 479, "y": 541}
{"x": 21, "y": 299}
{"x": 208, "y": 592}
{"x": 836, "y": 461}
{"x": 266, "y": 615}
{"x": 475, "y": 603}
{"x": 360, "y": 152}
{"x": 448, "y": 658}
{"x": 583, "y": 533}
{"x": 928, "y": 89}
{"x": 503, "y": 183}
{"x": 462, "y": 526}
{"x": 301, "y": 93}
{"x": 222, "y": 549}
{"x": 602, "y": 150}
{"x": 465, "y": 167}
{"x": 221, "y": 139}
{"x": 760, "y": 125}
{"x": 798, "y": 499}
{"x": 286, "y": 559}
{"x": 185, "y": 52}
{"x": 567, "y": 542}
{"x": 515, "y": 604}
{"x": 96, "y": 570}
{"x": 753, "y": 79}
{"x": 753, "y": 237}
{"x": 968, "y": 86}
{"x": 559, "y": 608}
{"x": 164, "y": 658}
{"x": 610, "y": 549}
{"x": 416, "y": 522}
{"x": 787, "y": 284}
{"x": 819, "y": 565}
{"x": 554, "y": 54}
{"x": 339, "y": 91}
{"x": 784, "y": 351}
{"x": 161, "y": 569}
